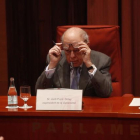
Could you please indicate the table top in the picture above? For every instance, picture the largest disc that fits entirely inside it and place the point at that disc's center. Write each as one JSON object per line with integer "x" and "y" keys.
{"x": 113, "y": 107}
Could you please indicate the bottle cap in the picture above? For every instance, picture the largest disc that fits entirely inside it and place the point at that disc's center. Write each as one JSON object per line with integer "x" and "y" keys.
{"x": 11, "y": 79}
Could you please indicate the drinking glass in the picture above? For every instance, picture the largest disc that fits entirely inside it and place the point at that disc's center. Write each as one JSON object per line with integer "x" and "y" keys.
{"x": 25, "y": 94}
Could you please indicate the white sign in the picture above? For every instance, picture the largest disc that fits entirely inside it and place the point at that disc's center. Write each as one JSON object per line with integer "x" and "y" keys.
{"x": 57, "y": 99}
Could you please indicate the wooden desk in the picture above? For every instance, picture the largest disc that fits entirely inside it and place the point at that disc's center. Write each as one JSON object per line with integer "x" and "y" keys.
{"x": 101, "y": 118}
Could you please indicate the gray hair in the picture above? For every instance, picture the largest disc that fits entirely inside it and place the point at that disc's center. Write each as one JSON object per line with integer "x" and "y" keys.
{"x": 84, "y": 34}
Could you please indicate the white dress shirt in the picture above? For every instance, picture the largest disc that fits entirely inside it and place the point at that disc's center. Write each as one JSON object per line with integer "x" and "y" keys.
{"x": 49, "y": 73}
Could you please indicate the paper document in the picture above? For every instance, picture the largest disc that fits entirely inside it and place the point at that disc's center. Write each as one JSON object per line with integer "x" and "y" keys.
{"x": 135, "y": 102}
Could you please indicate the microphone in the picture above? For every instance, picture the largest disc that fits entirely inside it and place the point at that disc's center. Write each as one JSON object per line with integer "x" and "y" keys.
{"x": 71, "y": 64}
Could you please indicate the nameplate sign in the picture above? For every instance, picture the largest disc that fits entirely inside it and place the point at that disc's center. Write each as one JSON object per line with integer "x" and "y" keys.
{"x": 57, "y": 99}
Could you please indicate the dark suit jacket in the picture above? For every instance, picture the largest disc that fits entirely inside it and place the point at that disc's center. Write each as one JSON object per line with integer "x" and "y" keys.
{"x": 100, "y": 85}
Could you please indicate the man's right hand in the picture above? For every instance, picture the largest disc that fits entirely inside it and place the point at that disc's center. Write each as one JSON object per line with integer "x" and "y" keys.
{"x": 55, "y": 55}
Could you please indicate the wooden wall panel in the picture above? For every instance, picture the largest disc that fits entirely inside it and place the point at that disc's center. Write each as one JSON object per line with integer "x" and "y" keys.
{"x": 3, "y": 50}
{"x": 102, "y": 12}
{"x": 127, "y": 61}
{"x": 136, "y": 48}
{"x": 131, "y": 46}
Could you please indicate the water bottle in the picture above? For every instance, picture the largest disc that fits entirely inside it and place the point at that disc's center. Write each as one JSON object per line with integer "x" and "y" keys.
{"x": 12, "y": 94}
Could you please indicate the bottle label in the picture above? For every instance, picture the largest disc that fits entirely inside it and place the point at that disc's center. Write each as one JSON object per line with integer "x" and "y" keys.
{"x": 12, "y": 100}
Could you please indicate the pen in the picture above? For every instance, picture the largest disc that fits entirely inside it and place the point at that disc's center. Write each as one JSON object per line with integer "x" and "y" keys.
{"x": 55, "y": 44}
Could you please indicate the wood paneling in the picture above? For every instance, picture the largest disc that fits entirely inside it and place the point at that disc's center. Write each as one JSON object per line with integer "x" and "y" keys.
{"x": 100, "y": 119}
{"x": 126, "y": 14}
{"x": 131, "y": 46}
{"x": 136, "y": 33}
{"x": 3, "y": 50}
{"x": 127, "y": 46}
{"x": 102, "y": 12}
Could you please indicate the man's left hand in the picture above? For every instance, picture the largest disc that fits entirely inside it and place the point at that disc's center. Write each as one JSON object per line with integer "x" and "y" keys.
{"x": 85, "y": 52}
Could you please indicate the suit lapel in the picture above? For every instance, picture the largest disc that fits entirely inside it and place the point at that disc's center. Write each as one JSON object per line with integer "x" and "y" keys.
{"x": 84, "y": 78}
{"x": 64, "y": 74}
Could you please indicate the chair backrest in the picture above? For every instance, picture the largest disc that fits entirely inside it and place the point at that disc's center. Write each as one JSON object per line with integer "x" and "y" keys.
{"x": 105, "y": 39}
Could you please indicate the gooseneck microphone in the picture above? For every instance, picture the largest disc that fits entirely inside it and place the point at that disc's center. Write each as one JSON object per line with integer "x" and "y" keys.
{"x": 71, "y": 64}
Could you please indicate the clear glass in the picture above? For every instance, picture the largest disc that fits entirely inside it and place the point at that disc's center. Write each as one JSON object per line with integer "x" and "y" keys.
{"x": 25, "y": 94}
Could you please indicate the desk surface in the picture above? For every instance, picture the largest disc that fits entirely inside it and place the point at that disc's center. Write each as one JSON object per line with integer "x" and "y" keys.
{"x": 100, "y": 118}
{"x": 114, "y": 107}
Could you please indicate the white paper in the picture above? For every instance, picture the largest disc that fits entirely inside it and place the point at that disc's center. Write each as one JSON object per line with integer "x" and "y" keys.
{"x": 57, "y": 99}
{"x": 135, "y": 102}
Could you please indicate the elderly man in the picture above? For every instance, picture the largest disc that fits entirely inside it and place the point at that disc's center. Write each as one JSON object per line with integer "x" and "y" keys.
{"x": 1, "y": 138}
{"x": 72, "y": 64}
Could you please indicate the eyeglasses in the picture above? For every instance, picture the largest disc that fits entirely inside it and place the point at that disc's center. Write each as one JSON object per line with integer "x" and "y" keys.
{"x": 66, "y": 46}
{"x": 74, "y": 51}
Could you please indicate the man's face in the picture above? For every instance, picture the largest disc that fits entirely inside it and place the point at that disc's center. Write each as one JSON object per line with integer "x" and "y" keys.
{"x": 70, "y": 46}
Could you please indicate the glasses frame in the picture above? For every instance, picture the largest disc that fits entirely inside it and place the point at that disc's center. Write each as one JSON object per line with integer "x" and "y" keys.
{"x": 66, "y": 46}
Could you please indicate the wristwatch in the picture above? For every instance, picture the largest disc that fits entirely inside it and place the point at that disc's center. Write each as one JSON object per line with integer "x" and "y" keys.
{"x": 91, "y": 67}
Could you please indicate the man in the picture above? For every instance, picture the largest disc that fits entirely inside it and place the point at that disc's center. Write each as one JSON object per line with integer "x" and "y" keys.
{"x": 1, "y": 138}
{"x": 72, "y": 64}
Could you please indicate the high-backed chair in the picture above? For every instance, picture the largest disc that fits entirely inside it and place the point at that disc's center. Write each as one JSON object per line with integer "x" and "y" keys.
{"x": 105, "y": 39}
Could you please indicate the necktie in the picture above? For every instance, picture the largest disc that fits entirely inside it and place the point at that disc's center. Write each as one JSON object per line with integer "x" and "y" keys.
{"x": 75, "y": 79}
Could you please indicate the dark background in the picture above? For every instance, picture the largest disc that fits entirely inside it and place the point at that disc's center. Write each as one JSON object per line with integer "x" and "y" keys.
{"x": 31, "y": 27}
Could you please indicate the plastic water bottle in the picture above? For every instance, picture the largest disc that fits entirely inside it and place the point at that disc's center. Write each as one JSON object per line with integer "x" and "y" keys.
{"x": 12, "y": 94}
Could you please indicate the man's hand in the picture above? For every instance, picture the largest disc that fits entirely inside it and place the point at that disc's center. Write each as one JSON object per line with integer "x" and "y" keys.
{"x": 85, "y": 52}
{"x": 55, "y": 55}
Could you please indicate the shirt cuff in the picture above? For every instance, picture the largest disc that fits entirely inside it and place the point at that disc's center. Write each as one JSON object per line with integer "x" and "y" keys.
{"x": 94, "y": 71}
{"x": 49, "y": 72}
